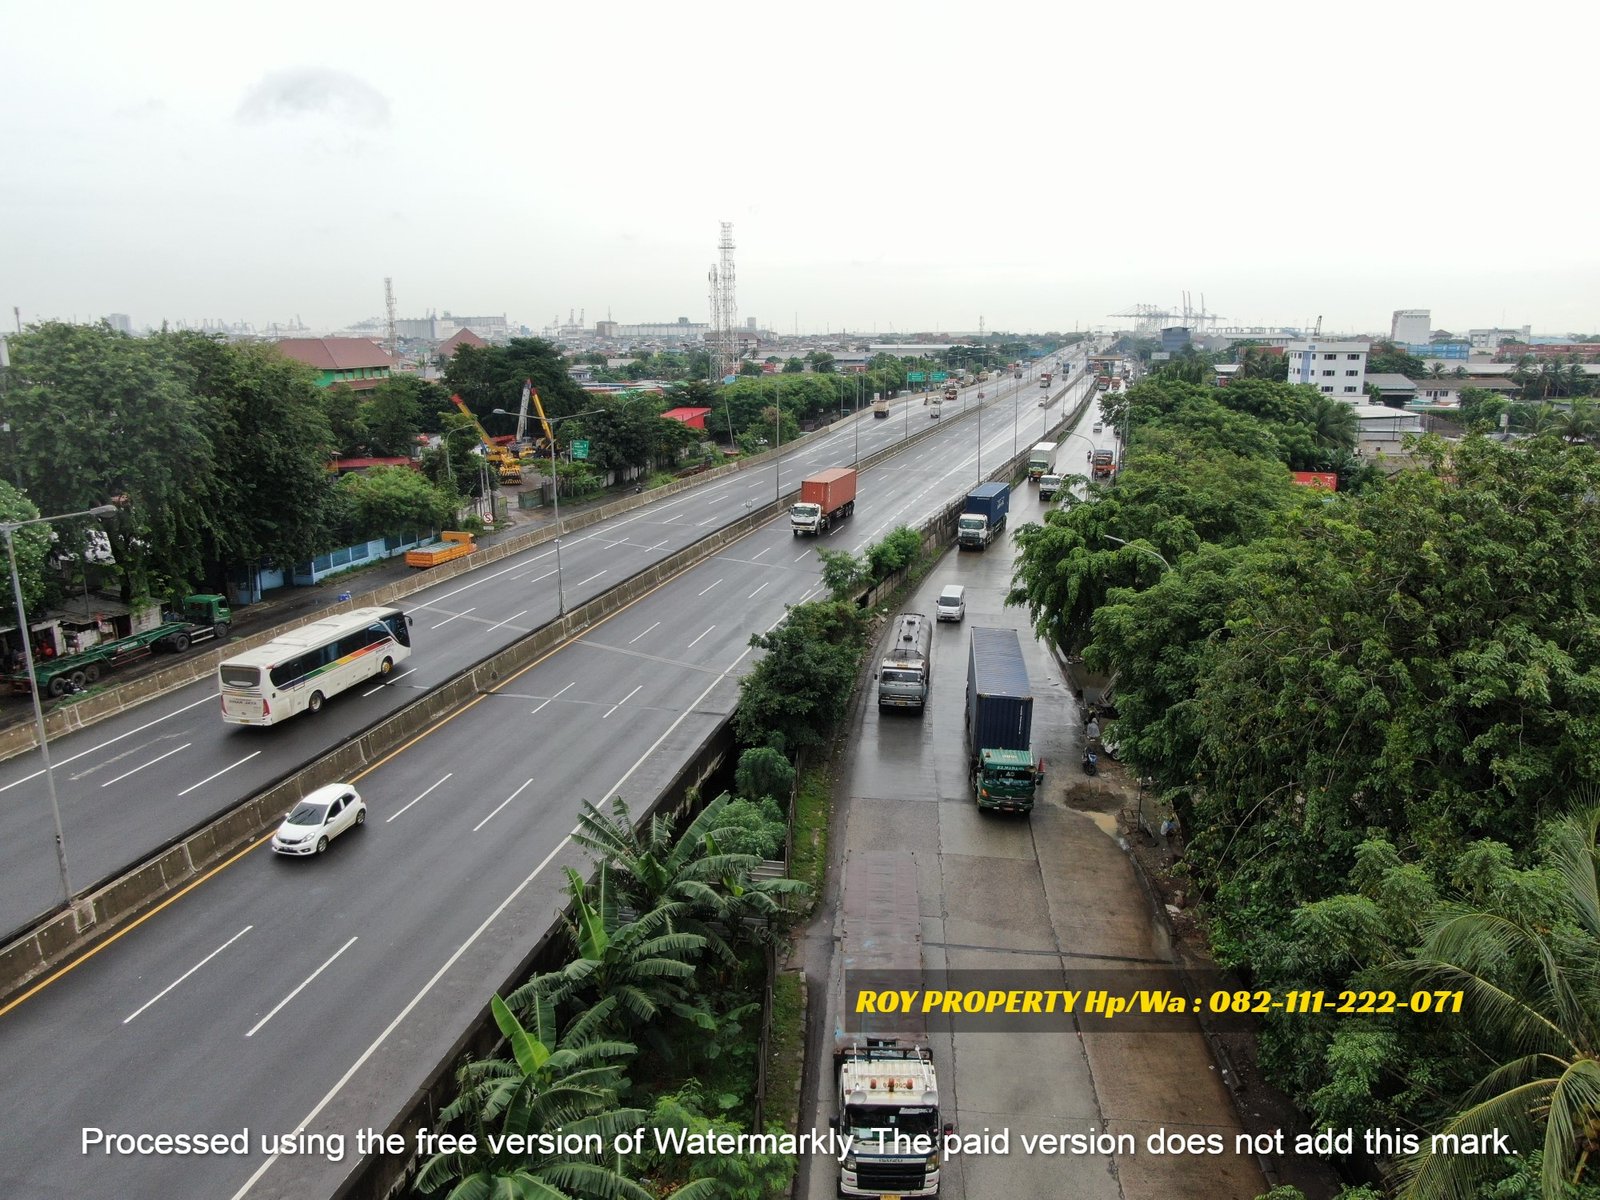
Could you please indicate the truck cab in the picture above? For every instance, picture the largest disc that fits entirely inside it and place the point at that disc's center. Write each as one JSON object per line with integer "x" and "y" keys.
{"x": 1049, "y": 485}
{"x": 1006, "y": 780}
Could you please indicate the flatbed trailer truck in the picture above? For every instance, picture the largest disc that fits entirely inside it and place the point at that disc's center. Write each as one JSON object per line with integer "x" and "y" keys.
{"x": 205, "y": 618}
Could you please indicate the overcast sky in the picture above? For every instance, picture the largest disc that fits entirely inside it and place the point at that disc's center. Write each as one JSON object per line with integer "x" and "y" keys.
{"x": 885, "y": 166}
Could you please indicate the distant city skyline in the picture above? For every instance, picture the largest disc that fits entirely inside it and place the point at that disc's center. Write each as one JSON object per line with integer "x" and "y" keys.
{"x": 880, "y": 174}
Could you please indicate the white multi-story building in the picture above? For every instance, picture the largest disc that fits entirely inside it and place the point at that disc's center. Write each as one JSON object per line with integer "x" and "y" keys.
{"x": 1337, "y": 368}
{"x": 1490, "y": 339}
{"x": 1411, "y": 326}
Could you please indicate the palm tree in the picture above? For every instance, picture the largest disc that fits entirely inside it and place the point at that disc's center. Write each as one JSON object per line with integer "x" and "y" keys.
{"x": 545, "y": 1086}
{"x": 1436, "y": 369}
{"x": 654, "y": 865}
{"x": 1459, "y": 372}
{"x": 1333, "y": 423}
{"x": 626, "y": 972}
{"x": 1530, "y": 982}
{"x": 1577, "y": 423}
{"x": 1539, "y": 418}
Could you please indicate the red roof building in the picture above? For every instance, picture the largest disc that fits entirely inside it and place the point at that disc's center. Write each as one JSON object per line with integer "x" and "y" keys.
{"x": 355, "y": 362}
{"x": 460, "y": 338}
{"x": 694, "y": 418}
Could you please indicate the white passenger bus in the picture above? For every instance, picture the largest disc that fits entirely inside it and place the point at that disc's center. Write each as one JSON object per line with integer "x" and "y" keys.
{"x": 302, "y": 669}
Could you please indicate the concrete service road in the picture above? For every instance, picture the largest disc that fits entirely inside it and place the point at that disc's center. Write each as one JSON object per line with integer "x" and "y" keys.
{"x": 319, "y": 994}
{"x": 1050, "y": 893}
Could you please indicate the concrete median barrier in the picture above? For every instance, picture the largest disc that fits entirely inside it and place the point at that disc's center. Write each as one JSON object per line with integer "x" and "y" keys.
{"x": 34, "y": 951}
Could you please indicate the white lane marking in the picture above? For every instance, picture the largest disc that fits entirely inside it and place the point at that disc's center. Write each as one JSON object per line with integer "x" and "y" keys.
{"x": 708, "y": 521}
{"x": 485, "y": 579}
{"x": 621, "y": 702}
{"x": 206, "y": 699}
{"x": 391, "y": 679}
{"x": 187, "y": 973}
{"x": 632, "y": 640}
{"x": 752, "y": 595}
{"x": 457, "y": 617}
{"x": 301, "y": 988}
{"x": 501, "y": 805}
{"x": 224, "y": 771}
{"x": 673, "y": 517}
{"x": 392, "y": 816}
{"x": 709, "y": 588}
{"x": 691, "y": 645}
{"x": 142, "y": 766}
{"x": 546, "y": 575}
{"x": 591, "y": 579}
{"x": 768, "y": 549}
{"x": 557, "y": 696}
{"x": 507, "y": 621}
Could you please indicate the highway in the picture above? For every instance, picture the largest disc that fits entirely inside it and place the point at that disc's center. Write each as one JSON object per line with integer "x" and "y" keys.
{"x": 319, "y": 993}
{"x": 132, "y": 784}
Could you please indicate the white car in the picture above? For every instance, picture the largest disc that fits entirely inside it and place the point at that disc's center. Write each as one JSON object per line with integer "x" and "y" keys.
{"x": 1098, "y": 426}
{"x": 319, "y": 818}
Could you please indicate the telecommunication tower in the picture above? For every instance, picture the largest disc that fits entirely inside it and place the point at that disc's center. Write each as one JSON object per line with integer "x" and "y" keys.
{"x": 724, "y": 310}
{"x": 388, "y": 304}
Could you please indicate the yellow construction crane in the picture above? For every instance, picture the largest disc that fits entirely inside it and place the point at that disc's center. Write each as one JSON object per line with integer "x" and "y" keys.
{"x": 539, "y": 447}
{"x": 505, "y": 462}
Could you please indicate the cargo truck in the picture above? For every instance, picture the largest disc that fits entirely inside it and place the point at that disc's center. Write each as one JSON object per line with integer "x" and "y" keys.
{"x": 904, "y": 672}
{"x": 885, "y": 1083}
{"x": 1005, "y": 774}
{"x": 1042, "y": 459}
{"x": 204, "y": 618}
{"x": 826, "y": 497}
{"x": 1049, "y": 485}
{"x": 983, "y": 515}
{"x": 880, "y": 408}
{"x": 1103, "y": 464}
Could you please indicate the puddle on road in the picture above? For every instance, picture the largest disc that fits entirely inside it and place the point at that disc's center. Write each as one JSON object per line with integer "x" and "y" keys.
{"x": 1107, "y": 823}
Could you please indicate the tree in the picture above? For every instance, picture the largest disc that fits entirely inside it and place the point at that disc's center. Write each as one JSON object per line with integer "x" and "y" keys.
{"x": 271, "y": 443}
{"x": 843, "y": 573}
{"x": 547, "y": 1085}
{"x": 390, "y": 418}
{"x": 32, "y": 548}
{"x": 763, "y": 773}
{"x": 137, "y": 437}
{"x": 1332, "y": 422}
{"x": 384, "y": 501}
{"x": 794, "y": 366}
{"x": 341, "y": 409}
{"x": 796, "y": 694}
{"x": 1525, "y": 962}
{"x": 626, "y": 972}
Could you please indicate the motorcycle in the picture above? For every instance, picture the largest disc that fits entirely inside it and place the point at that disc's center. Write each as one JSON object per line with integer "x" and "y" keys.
{"x": 1091, "y": 763}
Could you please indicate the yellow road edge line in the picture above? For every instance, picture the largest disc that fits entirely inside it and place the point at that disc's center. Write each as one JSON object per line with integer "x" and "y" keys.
{"x": 90, "y": 953}
{"x": 362, "y": 774}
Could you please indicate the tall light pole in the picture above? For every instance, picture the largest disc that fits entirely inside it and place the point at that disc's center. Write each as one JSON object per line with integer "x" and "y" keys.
{"x": 555, "y": 496}
{"x": 9, "y": 528}
{"x": 1142, "y": 549}
{"x": 777, "y": 441}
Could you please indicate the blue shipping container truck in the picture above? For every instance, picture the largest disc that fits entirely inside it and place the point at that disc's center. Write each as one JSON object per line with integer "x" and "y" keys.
{"x": 1005, "y": 774}
{"x": 983, "y": 515}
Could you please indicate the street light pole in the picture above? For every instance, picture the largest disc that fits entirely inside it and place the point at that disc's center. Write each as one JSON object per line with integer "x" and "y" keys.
{"x": 1139, "y": 548}
{"x": 9, "y": 528}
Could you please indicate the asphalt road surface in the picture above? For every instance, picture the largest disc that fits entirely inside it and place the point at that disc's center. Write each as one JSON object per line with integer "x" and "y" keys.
{"x": 318, "y": 994}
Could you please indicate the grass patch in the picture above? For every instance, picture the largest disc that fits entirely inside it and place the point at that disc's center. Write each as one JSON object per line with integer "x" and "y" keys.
{"x": 812, "y": 811}
{"x": 787, "y": 1051}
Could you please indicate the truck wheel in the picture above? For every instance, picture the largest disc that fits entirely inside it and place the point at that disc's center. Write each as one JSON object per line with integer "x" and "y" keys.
{"x": 219, "y": 631}
{"x": 180, "y": 642}
{"x": 92, "y": 672}
{"x": 315, "y": 703}
{"x": 57, "y": 686}
{"x": 79, "y": 678}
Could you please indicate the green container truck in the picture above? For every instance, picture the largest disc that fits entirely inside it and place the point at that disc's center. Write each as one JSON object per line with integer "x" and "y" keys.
{"x": 204, "y": 618}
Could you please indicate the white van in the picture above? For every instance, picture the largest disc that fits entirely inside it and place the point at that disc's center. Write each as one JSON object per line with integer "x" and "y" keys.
{"x": 952, "y": 603}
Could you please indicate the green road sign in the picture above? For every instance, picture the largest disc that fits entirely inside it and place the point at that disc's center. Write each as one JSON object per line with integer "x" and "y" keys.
{"x": 914, "y": 377}
{"x": 940, "y": 376}
{"x": 580, "y": 448}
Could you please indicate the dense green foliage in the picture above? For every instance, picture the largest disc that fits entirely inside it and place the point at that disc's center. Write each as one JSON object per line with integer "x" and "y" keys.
{"x": 796, "y": 693}
{"x": 1392, "y": 687}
